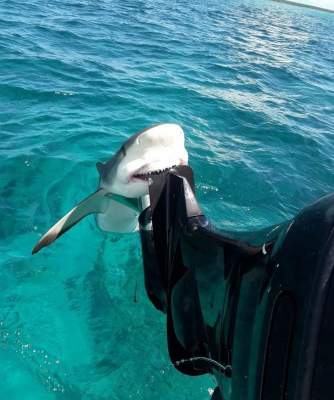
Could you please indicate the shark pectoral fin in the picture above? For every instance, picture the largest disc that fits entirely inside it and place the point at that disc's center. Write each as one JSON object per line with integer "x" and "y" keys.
{"x": 95, "y": 203}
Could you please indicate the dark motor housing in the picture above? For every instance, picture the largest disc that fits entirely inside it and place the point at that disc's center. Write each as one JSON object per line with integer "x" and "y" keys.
{"x": 254, "y": 309}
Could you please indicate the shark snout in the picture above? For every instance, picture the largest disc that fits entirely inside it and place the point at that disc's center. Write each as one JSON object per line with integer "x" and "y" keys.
{"x": 165, "y": 135}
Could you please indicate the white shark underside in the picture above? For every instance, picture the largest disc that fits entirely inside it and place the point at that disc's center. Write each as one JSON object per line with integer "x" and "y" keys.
{"x": 124, "y": 180}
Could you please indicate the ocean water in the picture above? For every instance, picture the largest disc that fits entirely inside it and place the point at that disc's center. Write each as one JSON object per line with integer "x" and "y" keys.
{"x": 251, "y": 83}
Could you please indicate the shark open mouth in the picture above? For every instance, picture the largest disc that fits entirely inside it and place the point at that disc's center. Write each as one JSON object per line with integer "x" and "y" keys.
{"x": 145, "y": 176}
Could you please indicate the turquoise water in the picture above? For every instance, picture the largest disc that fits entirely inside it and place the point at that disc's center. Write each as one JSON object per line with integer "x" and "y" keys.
{"x": 251, "y": 82}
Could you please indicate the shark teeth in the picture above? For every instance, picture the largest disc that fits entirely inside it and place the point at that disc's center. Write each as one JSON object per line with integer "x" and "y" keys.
{"x": 146, "y": 176}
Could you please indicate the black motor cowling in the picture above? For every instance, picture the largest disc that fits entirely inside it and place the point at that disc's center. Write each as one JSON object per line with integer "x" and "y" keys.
{"x": 252, "y": 308}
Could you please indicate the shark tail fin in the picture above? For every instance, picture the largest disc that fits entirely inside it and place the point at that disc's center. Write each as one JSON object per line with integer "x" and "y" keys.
{"x": 95, "y": 203}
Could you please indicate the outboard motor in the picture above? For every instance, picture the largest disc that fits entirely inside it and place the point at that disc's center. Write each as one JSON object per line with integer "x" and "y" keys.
{"x": 254, "y": 309}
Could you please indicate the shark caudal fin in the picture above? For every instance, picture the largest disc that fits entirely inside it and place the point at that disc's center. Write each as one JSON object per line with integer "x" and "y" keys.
{"x": 95, "y": 203}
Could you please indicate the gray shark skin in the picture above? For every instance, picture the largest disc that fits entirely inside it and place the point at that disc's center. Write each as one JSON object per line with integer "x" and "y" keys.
{"x": 124, "y": 180}
{"x": 107, "y": 170}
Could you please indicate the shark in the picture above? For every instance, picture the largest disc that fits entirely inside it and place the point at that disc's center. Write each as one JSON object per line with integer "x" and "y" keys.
{"x": 123, "y": 187}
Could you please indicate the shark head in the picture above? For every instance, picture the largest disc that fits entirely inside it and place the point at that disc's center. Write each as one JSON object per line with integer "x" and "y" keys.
{"x": 124, "y": 182}
{"x": 150, "y": 151}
